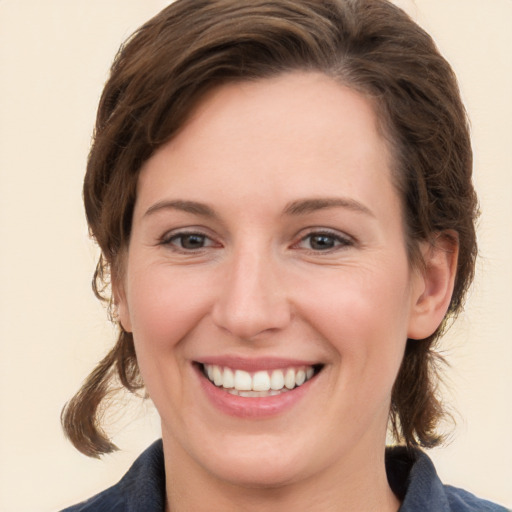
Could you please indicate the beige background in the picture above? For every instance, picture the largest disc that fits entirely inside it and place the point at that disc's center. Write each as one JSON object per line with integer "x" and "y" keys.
{"x": 54, "y": 58}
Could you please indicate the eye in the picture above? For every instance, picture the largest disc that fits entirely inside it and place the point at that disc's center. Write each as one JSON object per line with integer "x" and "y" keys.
{"x": 188, "y": 241}
{"x": 324, "y": 241}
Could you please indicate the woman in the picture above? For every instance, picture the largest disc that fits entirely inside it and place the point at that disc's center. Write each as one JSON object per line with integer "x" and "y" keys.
{"x": 282, "y": 194}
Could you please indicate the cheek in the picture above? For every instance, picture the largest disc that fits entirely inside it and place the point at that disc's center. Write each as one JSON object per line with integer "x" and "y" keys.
{"x": 363, "y": 315}
{"x": 164, "y": 306}
{"x": 164, "y": 309}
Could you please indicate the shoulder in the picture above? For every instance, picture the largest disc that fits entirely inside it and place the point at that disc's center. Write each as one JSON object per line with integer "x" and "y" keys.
{"x": 461, "y": 500}
{"x": 413, "y": 478}
{"x": 141, "y": 488}
{"x": 110, "y": 500}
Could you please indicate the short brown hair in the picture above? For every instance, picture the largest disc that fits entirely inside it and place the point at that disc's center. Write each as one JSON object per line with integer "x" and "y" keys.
{"x": 372, "y": 46}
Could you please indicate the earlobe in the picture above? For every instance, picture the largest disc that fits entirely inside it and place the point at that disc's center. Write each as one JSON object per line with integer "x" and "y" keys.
{"x": 123, "y": 316}
{"x": 434, "y": 285}
{"x": 120, "y": 305}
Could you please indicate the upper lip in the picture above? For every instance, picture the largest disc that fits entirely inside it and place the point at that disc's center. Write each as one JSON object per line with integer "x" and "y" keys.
{"x": 255, "y": 364}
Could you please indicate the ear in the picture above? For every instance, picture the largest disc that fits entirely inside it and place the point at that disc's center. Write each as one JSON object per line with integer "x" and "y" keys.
{"x": 120, "y": 302}
{"x": 433, "y": 286}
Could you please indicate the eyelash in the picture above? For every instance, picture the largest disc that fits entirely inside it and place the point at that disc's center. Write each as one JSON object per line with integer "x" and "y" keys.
{"x": 167, "y": 240}
{"x": 338, "y": 241}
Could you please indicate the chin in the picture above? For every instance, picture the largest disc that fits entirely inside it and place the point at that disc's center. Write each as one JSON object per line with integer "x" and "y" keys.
{"x": 251, "y": 460}
{"x": 255, "y": 471}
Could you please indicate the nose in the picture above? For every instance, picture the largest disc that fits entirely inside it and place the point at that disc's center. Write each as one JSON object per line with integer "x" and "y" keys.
{"x": 252, "y": 298}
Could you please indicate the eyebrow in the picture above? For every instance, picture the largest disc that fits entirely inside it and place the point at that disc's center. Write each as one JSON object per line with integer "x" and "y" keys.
{"x": 184, "y": 206}
{"x": 295, "y": 208}
{"x": 305, "y": 206}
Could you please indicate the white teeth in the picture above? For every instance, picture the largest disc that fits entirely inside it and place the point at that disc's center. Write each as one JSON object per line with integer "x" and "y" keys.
{"x": 300, "y": 377}
{"x": 253, "y": 394}
{"x": 229, "y": 379}
{"x": 289, "y": 378}
{"x": 260, "y": 383}
{"x": 217, "y": 376}
{"x": 277, "y": 380}
{"x": 243, "y": 381}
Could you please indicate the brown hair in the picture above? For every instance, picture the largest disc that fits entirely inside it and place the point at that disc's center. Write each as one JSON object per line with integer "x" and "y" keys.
{"x": 190, "y": 47}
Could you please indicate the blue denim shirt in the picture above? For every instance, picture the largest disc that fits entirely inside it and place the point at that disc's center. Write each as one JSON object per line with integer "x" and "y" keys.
{"x": 412, "y": 477}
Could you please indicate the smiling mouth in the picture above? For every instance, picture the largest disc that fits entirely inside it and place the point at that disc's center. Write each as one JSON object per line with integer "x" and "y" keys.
{"x": 262, "y": 383}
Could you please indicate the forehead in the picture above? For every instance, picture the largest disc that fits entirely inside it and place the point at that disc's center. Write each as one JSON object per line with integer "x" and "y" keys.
{"x": 278, "y": 139}
{"x": 294, "y": 105}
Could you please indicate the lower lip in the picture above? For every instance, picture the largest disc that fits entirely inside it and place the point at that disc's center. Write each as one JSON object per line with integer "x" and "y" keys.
{"x": 252, "y": 407}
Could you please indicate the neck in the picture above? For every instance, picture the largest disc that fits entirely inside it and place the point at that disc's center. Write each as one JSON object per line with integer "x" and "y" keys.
{"x": 359, "y": 484}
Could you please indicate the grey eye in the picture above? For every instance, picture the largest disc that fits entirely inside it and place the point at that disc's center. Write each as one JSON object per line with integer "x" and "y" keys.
{"x": 322, "y": 242}
{"x": 191, "y": 241}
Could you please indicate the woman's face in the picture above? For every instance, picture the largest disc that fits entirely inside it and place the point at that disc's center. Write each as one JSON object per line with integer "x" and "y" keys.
{"x": 268, "y": 248}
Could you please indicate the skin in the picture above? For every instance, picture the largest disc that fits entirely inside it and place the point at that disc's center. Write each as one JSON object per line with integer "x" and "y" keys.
{"x": 255, "y": 284}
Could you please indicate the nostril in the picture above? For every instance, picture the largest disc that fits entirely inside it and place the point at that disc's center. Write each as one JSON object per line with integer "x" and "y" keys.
{"x": 251, "y": 304}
